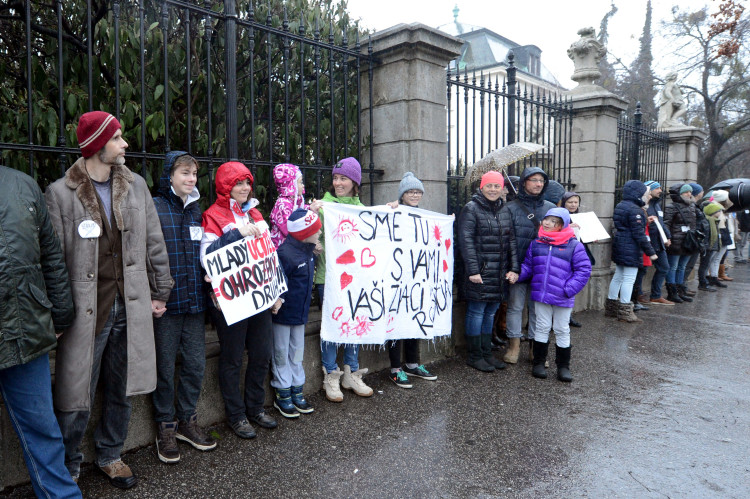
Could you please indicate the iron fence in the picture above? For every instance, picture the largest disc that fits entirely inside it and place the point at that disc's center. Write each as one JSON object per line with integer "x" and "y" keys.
{"x": 221, "y": 79}
{"x": 485, "y": 114}
{"x": 642, "y": 152}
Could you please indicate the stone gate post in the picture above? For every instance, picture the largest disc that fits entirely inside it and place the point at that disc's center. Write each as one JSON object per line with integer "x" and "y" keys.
{"x": 409, "y": 110}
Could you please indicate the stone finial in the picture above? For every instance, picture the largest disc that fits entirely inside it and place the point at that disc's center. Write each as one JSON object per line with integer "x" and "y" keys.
{"x": 586, "y": 53}
{"x": 671, "y": 104}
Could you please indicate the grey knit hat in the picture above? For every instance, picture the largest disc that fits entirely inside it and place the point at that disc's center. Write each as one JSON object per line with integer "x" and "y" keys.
{"x": 408, "y": 183}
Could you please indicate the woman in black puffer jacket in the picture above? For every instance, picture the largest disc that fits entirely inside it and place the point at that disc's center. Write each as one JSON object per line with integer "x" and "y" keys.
{"x": 488, "y": 249}
{"x": 630, "y": 242}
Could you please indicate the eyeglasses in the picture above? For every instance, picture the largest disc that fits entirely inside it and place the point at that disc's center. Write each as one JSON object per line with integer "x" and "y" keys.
{"x": 414, "y": 193}
{"x": 535, "y": 180}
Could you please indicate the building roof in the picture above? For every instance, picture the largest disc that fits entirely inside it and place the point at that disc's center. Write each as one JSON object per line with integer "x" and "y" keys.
{"x": 484, "y": 49}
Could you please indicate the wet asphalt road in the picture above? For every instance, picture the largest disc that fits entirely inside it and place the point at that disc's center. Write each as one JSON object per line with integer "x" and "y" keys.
{"x": 660, "y": 409}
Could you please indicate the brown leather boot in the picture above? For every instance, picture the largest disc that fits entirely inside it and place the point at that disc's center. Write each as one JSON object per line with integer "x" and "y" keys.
{"x": 723, "y": 274}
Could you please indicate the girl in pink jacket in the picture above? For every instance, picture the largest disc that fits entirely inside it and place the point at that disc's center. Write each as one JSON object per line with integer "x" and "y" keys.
{"x": 291, "y": 189}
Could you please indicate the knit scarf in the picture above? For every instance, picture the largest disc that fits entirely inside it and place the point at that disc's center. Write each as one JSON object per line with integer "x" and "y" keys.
{"x": 556, "y": 238}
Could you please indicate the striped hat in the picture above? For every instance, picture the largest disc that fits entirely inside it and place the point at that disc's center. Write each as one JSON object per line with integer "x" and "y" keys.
{"x": 303, "y": 224}
{"x": 94, "y": 131}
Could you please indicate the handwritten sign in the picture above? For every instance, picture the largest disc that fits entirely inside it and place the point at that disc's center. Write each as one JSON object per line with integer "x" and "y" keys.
{"x": 389, "y": 274}
{"x": 246, "y": 276}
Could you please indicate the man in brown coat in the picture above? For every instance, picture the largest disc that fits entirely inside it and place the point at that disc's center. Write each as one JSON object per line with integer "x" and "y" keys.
{"x": 119, "y": 271}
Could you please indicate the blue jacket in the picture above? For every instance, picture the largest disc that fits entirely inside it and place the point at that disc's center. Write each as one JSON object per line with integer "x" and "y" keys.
{"x": 631, "y": 241}
{"x": 184, "y": 250}
{"x": 654, "y": 208}
{"x": 298, "y": 262}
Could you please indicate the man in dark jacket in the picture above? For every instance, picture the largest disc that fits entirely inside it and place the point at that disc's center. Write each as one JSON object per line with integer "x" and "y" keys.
{"x": 524, "y": 214}
{"x": 37, "y": 302}
{"x": 743, "y": 220}
{"x": 661, "y": 265}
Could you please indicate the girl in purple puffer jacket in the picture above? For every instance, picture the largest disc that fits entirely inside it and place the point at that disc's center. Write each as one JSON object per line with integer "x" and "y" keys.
{"x": 559, "y": 268}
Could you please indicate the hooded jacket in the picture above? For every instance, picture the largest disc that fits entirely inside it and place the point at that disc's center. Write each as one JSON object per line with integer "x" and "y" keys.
{"x": 714, "y": 239}
{"x": 223, "y": 219}
{"x": 630, "y": 240}
{"x": 298, "y": 262}
{"x": 181, "y": 226}
{"x": 516, "y": 213}
{"x": 285, "y": 175}
{"x": 35, "y": 290}
{"x": 679, "y": 218}
{"x": 72, "y": 200}
{"x": 558, "y": 270}
{"x": 488, "y": 248}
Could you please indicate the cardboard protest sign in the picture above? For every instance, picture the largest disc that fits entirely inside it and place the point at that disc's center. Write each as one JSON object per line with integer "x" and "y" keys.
{"x": 389, "y": 274}
{"x": 246, "y": 276}
{"x": 591, "y": 227}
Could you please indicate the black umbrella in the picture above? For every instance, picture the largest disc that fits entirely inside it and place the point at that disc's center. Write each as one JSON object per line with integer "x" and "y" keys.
{"x": 739, "y": 192}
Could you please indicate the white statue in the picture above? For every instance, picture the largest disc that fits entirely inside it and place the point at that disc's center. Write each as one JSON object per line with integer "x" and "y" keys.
{"x": 586, "y": 53}
{"x": 671, "y": 104}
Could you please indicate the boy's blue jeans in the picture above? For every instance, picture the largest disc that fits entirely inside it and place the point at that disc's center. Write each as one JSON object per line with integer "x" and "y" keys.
{"x": 186, "y": 334}
{"x": 27, "y": 392}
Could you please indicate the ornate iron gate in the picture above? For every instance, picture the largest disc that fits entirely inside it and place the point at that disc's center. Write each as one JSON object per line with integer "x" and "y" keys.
{"x": 642, "y": 152}
{"x": 484, "y": 115}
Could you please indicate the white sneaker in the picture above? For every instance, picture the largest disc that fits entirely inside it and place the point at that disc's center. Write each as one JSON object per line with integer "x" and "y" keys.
{"x": 353, "y": 381}
{"x": 331, "y": 385}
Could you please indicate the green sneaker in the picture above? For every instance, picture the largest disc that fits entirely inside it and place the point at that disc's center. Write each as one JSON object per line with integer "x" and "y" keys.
{"x": 420, "y": 372}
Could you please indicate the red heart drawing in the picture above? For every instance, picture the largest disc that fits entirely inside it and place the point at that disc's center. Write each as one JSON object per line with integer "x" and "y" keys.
{"x": 370, "y": 258}
{"x": 447, "y": 244}
{"x": 346, "y": 280}
{"x": 445, "y": 266}
{"x": 346, "y": 257}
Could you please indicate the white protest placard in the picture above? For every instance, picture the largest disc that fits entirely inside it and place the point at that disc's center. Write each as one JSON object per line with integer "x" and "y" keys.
{"x": 591, "y": 229}
{"x": 246, "y": 276}
{"x": 661, "y": 231}
{"x": 389, "y": 274}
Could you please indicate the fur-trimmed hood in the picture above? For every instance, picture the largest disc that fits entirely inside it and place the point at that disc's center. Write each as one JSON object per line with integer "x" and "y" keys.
{"x": 77, "y": 178}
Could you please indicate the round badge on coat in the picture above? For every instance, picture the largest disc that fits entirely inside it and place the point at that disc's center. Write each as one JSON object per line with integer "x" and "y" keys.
{"x": 89, "y": 230}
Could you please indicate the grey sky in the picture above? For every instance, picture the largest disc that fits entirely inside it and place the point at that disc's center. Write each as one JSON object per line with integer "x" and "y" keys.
{"x": 549, "y": 24}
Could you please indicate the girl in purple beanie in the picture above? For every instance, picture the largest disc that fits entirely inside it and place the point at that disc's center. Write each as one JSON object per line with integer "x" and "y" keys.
{"x": 347, "y": 176}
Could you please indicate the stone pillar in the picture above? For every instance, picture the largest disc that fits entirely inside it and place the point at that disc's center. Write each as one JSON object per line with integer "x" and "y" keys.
{"x": 409, "y": 111}
{"x": 593, "y": 162}
{"x": 682, "y": 161}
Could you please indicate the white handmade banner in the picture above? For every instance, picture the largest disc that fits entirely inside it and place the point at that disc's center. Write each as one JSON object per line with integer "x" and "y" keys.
{"x": 389, "y": 274}
{"x": 246, "y": 276}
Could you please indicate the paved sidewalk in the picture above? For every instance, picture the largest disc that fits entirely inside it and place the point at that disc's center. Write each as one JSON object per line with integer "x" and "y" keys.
{"x": 656, "y": 409}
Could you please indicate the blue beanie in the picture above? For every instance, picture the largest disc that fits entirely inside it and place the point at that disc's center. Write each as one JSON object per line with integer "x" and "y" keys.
{"x": 652, "y": 184}
{"x": 697, "y": 189}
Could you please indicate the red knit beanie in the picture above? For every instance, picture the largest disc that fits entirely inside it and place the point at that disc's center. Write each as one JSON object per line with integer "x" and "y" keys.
{"x": 303, "y": 224}
{"x": 94, "y": 131}
{"x": 492, "y": 177}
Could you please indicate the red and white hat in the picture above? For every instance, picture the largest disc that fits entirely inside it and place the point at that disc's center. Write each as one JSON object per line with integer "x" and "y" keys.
{"x": 303, "y": 224}
{"x": 94, "y": 131}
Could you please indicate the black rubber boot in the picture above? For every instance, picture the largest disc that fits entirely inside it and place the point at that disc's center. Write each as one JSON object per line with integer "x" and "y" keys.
{"x": 562, "y": 359}
{"x": 474, "y": 356}
{"x": 704, "y": 286}
{"x": 540, "y": 357}
{"x": 672, "y": 294}
{"x": 487, "y": 352}
{"x": 682, "y": 292}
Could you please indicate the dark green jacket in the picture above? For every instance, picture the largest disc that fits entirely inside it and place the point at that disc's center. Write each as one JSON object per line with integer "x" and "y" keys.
{"x": 35, "y": 295}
